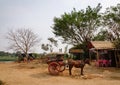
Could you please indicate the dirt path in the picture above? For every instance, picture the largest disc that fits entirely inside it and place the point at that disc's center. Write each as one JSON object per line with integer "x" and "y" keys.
{"x": 37, "y": 74}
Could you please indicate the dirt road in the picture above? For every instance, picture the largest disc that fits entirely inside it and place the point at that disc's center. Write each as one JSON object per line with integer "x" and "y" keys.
{"x": 37, "y": 74}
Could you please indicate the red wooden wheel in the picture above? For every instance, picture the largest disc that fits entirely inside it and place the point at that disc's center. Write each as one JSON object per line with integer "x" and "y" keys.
{"x": 62, "y": 66}
{"x": 54, "y": 68}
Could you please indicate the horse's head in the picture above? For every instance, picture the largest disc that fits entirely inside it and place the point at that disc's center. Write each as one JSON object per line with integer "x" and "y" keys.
{"x": 87, "y": 61}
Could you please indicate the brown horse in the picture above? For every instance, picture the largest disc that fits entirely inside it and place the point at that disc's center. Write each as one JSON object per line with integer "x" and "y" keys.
{"x": 77, "y": 64}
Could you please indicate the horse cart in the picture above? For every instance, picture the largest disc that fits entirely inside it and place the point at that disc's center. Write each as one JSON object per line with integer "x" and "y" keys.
{"x": 55, "y": 63}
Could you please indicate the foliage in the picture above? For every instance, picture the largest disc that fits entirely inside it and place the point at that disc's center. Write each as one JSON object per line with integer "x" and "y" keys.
{"x": 117, "y": 43}
{"x": 36, "y": 55}
{"x": 65, "y": 49}
{"x": 49, "y": 46}
{"x": 8, "y": 58}
{"x": 77, "y": 27}
{"x": 101, "y": 36}
{"x": 2, "y": 53}
{"x": 53, "y": 41}
{"x": 112, "y": 22}
{"x": 45, "y": 47}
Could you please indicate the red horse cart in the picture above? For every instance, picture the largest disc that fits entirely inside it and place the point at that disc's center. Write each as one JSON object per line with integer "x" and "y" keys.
{"x": 55, "y": 63}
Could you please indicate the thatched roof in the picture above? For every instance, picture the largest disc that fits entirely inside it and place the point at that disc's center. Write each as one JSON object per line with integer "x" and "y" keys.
{"x": 102, "y": 45}
{"x": 76, "y": 51}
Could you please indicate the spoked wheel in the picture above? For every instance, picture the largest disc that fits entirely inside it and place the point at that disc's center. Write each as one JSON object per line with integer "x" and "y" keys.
{"x": 54, "y": 68}
{"x": 62, "y": 68}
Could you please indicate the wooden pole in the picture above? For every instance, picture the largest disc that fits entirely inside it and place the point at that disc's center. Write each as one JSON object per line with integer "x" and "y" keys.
{"x": 90, "y": 55}
{"x": 97, "y": 55}
{"x": 115, "y": 52}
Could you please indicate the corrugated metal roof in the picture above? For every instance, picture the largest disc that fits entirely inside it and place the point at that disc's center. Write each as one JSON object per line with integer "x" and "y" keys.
{"x": 102, "y": 44}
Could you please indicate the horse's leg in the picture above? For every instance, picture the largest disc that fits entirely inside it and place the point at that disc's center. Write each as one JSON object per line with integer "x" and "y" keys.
{"x": 70, "y": 68}
{"x": 82, "y": 70}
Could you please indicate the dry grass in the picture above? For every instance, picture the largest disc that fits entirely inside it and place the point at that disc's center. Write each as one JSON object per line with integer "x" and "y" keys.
{"x": 36, "y": 73}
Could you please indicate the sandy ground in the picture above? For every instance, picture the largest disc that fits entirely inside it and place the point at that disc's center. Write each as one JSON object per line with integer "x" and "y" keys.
{"x": 36, "y": 73}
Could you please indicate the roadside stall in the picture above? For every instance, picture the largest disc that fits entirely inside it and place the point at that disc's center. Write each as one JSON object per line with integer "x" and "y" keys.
{"x": 105, "y": 54}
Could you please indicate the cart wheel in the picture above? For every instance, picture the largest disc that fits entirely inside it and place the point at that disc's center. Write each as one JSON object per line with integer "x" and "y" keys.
{"x": 54, "y": 68}
{"x": 62, "y": 68}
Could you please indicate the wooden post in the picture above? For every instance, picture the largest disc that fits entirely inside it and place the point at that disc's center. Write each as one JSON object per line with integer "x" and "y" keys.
{"x": 119, "y": 61}
{"x": 97, "y": 55}
{"x": 115, "y": 52}
{"x": 90, "y": 56}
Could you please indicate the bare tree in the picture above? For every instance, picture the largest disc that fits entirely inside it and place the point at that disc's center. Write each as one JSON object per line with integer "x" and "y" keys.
{"x": 22, "y": 40}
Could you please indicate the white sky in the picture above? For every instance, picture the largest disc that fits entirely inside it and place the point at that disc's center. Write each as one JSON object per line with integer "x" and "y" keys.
{"x": 38, "y": 15}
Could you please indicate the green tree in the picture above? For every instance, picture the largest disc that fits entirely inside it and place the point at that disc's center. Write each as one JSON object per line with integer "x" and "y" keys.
{"x": 112, "y": 23}
{"x": 117, "y": 43}
{"x": 53, "y": 41}
{"x": 101, "y": 36}
{"x": 78, "y": 27}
